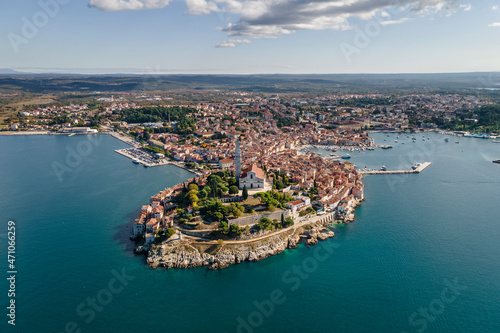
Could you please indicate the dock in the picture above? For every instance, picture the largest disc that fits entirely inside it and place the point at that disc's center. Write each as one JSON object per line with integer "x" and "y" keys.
{"x": 151, "y": 163}
{"x": 419, "y": 169}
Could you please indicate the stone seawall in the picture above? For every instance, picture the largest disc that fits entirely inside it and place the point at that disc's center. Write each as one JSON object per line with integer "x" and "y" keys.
{"x": 187, "y": 254}
{"x": 242, "y": 221}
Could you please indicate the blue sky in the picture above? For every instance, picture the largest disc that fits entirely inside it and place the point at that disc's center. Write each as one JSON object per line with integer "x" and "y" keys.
{"x": 250, "y": 36}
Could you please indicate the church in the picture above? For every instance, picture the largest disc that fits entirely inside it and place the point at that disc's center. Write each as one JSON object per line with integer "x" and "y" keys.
{"x": 252, "y": 177}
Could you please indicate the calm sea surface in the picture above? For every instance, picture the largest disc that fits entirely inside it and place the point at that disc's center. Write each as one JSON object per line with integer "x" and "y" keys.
{"x": 422, "y": 255}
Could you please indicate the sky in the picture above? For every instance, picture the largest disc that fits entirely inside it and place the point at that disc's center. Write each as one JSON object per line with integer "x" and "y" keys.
{"x": 250, "y": 36}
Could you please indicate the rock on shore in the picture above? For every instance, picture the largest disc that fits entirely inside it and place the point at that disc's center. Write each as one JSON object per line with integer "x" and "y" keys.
{"x": 187, "y": 254}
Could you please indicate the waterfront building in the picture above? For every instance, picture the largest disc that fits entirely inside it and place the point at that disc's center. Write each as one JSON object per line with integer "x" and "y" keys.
{"x": 299, "y": 204}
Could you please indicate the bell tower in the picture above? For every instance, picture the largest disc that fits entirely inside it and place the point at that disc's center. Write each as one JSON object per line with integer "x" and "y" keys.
{"x": 237, "y": 159}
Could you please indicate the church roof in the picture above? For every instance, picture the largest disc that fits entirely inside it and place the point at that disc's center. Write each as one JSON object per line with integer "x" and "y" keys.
{"x": 258, "y": 171}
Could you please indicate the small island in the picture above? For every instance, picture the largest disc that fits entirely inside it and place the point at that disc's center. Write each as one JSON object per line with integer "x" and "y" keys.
{"x": 247, "y": 212}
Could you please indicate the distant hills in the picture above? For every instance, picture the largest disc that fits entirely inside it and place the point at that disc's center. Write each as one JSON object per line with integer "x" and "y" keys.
{"x": 9, "y": 71}
{"x": 486, "y": 83}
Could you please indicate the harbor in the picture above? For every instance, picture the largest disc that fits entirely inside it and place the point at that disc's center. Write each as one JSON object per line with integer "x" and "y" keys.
{"x": 418, "y": 169}
{"x": 138, "y": 156}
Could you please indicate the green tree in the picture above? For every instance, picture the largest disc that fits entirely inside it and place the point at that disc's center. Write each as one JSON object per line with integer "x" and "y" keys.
{"x": 234, "y": 230}
{"x": 232, "y": 181}
{"x": 233, "y": 190}
{"x": 265, "y": 224}
{"x": 223, "y": 228}
{"x": 169, "y": 232}
{"x": 288, "y": 222}
{"x": 245, "y": 193}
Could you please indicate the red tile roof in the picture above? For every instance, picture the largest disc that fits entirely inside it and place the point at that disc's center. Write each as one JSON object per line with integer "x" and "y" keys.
{"x": 258, "y": 171}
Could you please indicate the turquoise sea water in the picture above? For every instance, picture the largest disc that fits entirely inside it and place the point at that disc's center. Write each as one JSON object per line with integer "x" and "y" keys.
{"x": 377, "y": 274}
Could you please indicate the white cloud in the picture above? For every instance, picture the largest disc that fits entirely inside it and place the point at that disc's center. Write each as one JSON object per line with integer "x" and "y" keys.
{"x": 233, "y": 43}
{"x": 198, "y": 7}
{"x": 495, "y": 7}
{"x": 466, "y": 7}
{"x": 495, "y": 24}
{"x": 118, "y": 5}
{"x": 273, "y": 18}
{"x": 390, "y": 22}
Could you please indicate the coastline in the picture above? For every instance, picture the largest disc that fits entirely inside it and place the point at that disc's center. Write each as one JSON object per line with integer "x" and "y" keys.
{"x": 185, "y": 250}
{"x": 186, "y": 254}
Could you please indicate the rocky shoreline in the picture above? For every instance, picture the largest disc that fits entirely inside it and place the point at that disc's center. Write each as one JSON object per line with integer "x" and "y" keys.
{"x": 184, "y": 253}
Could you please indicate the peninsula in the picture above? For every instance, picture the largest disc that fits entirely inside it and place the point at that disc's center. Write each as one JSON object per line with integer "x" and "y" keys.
{"x": 231, "y": 215}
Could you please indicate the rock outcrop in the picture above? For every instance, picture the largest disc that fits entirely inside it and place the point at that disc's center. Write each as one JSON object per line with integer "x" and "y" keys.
{"x": 187, "y": 254}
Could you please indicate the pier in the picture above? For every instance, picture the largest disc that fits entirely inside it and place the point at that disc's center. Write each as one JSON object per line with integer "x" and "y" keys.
{"x": 148, "y": 161}
{"x": 419, "y": 169}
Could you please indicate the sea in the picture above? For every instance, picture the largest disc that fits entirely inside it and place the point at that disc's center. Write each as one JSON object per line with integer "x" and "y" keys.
{"x": 421, "y": 256}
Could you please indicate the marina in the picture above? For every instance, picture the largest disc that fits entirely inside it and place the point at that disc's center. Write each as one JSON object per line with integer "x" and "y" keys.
{"x": 418, "y": 169}
{"x": 138, "y": 156}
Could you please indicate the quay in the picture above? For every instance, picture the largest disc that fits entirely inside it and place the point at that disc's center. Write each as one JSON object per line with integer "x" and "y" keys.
{"x": 151, "y": 163}
{"x": 419, "y": 169}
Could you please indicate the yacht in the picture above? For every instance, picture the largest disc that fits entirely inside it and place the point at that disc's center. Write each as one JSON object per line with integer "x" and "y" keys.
{"x": 346, "y": 156}
{"x": 135, "y": 161}
{"x": 446, "y": 140}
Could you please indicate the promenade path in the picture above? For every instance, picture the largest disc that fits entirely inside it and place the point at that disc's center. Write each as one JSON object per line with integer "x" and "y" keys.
{"x": 299, "y": 223}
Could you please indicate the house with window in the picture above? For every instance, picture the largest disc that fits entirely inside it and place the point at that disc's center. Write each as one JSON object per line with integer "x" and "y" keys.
{"x": 299, "y": 204}
{"x": 226, "y": 164}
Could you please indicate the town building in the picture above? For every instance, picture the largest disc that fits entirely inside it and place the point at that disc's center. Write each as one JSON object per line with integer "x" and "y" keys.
{"x": 252, "y": 177}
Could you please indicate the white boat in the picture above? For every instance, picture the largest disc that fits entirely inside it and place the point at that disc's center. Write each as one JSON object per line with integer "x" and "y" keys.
{"x": 135, "y": 161}
{"x": 346, "y": 156}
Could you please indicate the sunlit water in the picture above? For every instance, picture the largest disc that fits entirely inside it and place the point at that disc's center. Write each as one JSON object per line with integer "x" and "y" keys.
{"x": 411, "y": 234}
